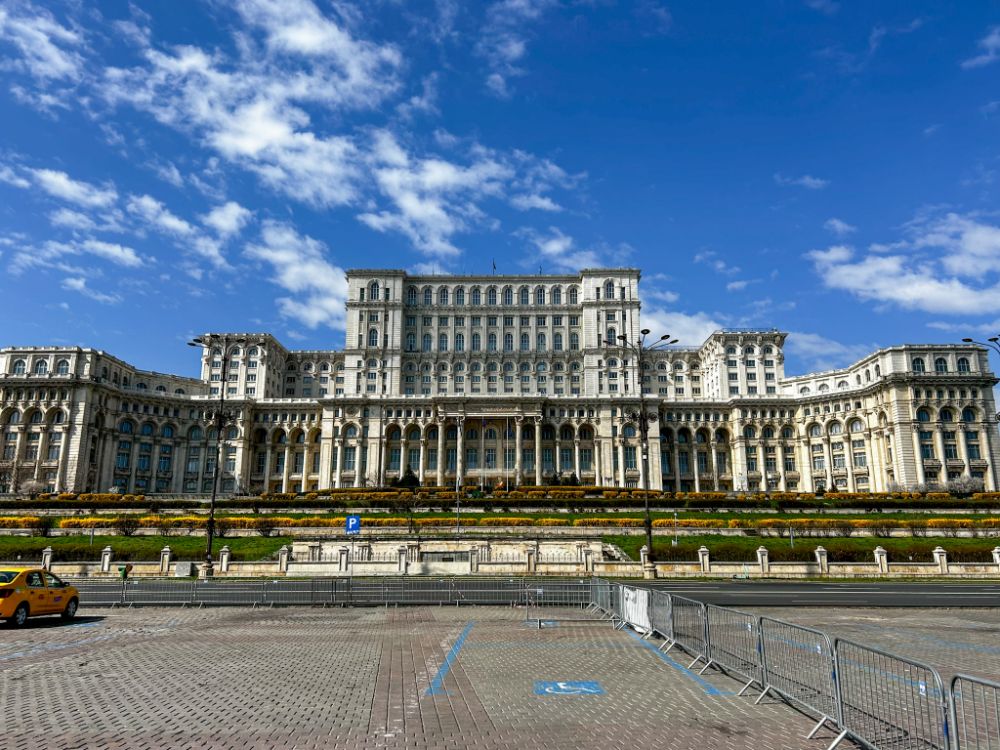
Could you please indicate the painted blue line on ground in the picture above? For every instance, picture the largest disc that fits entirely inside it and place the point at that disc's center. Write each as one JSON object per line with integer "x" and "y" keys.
{"x": 708, "y": 687}
{"x": 435, "y": 686}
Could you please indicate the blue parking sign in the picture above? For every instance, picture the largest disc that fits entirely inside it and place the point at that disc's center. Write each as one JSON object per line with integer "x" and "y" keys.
{"x": 352, "y": 524}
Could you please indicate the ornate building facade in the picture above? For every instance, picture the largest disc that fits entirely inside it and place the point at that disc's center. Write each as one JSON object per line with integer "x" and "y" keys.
{"x": 497, "y": 378}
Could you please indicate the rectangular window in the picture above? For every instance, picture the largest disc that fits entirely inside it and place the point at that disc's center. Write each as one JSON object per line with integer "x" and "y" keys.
{"x": 702, "y": 463}
{"x": 565, "y": 459}
{"x": 586, "y": 458}
{"x": 683, "y": 463}
{"x": 452, "y": 457}
{"x": 471, "y": 458}
{"x": 350, "y": 456}
{"x": 432, "y": 458}
{"x": 394, "y": 459}
{"x": 789, "y": 461}
{"x": 509, "y": 458}
{"x": 630, "y": 462}
{"x": 528, "y": 458}
{"x": 547, "y": 465}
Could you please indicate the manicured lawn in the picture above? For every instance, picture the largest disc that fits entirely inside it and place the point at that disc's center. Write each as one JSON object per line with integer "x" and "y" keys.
{"x": 840, "y": 549}
{"x": 145, "y": 548}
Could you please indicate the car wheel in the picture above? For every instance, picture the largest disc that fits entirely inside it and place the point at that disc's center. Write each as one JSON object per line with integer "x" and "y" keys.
{"x": 70, "y": 612}
{"x": 20, "y": 615}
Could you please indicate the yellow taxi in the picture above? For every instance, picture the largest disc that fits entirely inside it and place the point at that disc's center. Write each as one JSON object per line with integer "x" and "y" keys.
{"x": 27, "y": 592}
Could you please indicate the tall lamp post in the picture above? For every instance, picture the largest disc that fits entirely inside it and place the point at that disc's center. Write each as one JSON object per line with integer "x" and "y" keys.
{"x": 640, "y": 349}
{"x": 219, "y": 418}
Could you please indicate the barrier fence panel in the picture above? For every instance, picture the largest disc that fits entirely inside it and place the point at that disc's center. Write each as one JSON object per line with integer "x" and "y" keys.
{"x": 975, "y": 713}
{"x": 689, "y": 628}
{"x": 227, "y": 593}
{"x": 734, "y": 644}
{"x": 799, "y": 665}
{"x": 98, "y": 593}
{"x": 541, "y": 595}
{"x": 888, "y": 701}
{"x": 659, "y": 614}
{"x": 635, "y": 609}
{"x": 157, "y": 592}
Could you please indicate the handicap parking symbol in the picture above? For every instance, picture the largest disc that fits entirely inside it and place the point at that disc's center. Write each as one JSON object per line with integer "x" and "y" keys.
{"x": 568, "y": 687}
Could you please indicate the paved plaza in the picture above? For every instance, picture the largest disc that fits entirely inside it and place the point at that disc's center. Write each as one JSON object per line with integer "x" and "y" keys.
{"x": 950, "y": 640}
{"x": 417, "y": 677}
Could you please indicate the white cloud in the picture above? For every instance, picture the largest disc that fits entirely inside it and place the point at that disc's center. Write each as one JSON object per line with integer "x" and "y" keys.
{"x": 970, "y": 247}
{"x": 117, "y": 254}
{"x": 8, "y": 176}
{"x": 155, "y": 215}
{"x": 536, "y": 202}
{"x": 48, "y": 50}
{"x": 61, "y": 185}
{"x": 169, "y": 172}
{"x": 301, "y": 267}
{"x": 717, "y": 264}
{"x": 819, "y": 353}
{"x": 558, "y": 251}
{"x": 829, "y": 7}
{"x": 228, "y": 219}
{"x": 838, "y": 227}
{"x": 503, "y": 42}
{"x": 690, "y": 329}
{"x": 990, "y": 46}
{"x": 737, "y": 286}
{"x": 69, "y": 219}
{"x": 424, "y": 102}
{"x": 806, "y": 181}
{"x": 648, "y": 293}
{"x": 79, "y": 284}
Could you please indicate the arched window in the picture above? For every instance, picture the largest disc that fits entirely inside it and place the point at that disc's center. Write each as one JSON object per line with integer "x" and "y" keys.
{"x": 477, "y": 342}
{"x": 804, "y": 390}
{"x": 918, "y": 364}
{"x": 574, "y": 295}
{"x": 476, "y": 298}
{"x": 126, "y": 427}
{"x": 426, "y": 342}
{"x": 749, "y": 432}
{"x": 947, "y": 415}
{"x": 19, "y": 367}
{"x": 373, "y": 290}
{"x": 940, "y": 365}
{"x": 490, "y": 433}
{"x": 767, "y": 433}
{"x": 730, "y": 350}
{"x": 41, "y": 367}
{"x": 59, "y": 417}
{"x": 253, "y": 352}
{"x": 508, "y": 296}
{"x": 612, "y": 339}
{"x": 428, "y": 296}
{"x": 857, "y": 425}
{"x": 62, "y": 366}
{"x": 524, "y": 295}
{"x": 491, "y": 296}
{"x": 460, "y": 296}
{"x": 968, "y": 414}
{"x": 443, "y": 342}
{"x": 167, "y": 431}
{"x": 787, "y": 433}
{"x": 491, "y": 342}
{"x": 525, "y": 342}
{"x": 540, "y": 296}
{"x": 443, "y": 296}
{"x": 373, "y": 337}
{"x": 566, "y": 433}
{"x": 459, "y": 342}
{"x": 557, "y": 342}
{"x": 540, "y": 342}
{"x": 350, "y": 431}
{"x": 836, "y": 428}
{"x": 556, "y": 295}
{"x": 195, "y": 434}
{"x": 472, "y": 434}
{"x": 147, "y": 429}
{"x": 628, "y": 431}
{"x": 411, "y": 295}
{"x": 411, "y": 342}
{"x": 508, "y": 342}
{"x": 815, "y": 430}
{"x": 923, "y": 415}
{"x": 609, "y": 290}
{"x": 36, "y": 417}
{"x": 963, "y": 364}
{"x": 574, "y": 342}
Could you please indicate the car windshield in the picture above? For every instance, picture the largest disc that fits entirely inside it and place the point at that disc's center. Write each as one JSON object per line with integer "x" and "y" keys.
{"x": 6, "y": 576}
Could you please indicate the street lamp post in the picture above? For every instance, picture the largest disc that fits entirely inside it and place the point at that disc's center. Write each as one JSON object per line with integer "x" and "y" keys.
{"x": 219, "y": 419}
{"x": 640, "y": 348}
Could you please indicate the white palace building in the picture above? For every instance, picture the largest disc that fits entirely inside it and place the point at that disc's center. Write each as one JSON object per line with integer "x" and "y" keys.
{"x": 497, "y": 378}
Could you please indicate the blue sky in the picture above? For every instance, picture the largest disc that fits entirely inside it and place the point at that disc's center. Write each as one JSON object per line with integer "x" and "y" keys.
{"x": 823, "y": 167}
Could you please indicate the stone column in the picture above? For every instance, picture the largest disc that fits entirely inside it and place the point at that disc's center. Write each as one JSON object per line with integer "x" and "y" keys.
{"x": 404, "y": 449}
{"x": 804, "y": 462}
{"x": 106, "y": 555}
{"x": 441, "y": 452}
{"x": 557, "y": 460}
{"x": 939, "y": 449}
{"x": 990, "y": 483}
{"x": 598, "y": 462}
{"x": 921, "y": 477}
{"x": 704, "y": 560}
{"x": 423, "y": 459}
{"x": 47, "y": 558}
{"x": 460, "y": 454}
{"x": 941, "y": 560}
{"x": 284, "y": 556}
{"x": 828, "y": 454}
{"x": 225, "y": 555}
{"x": 824, "y": 560}
{"x": 325, "y": 456}
{"x": 620, "y": 479}
{"x": 763, "y": 560}
{"x": 881, "y": 560}
{"x": 340, "y": 463}
{"x": 694, "y": 455}
{"x": 518, "y": 445}
{"x": 268, "y": 458}
{"x": 712, "y": 463}
{"x": 849, "y": 461}
{"x": 576, "y": 457}
{"x": 165, "y": 555}
{"x": 962, "y": 452}
{"x": 360, "y": 447}
{"x": 286, "y": 474}
{"x": 538, "y": 451}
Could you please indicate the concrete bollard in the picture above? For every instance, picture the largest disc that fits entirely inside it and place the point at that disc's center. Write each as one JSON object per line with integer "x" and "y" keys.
{"x": 165, "y": 555}
{"x": 401, "y": 560}
{"x": 823, "y": 558}
{"x": 532, "y": 558}
{"x": 882, "y": 560}
{"x": 648, "y": 569}
{"x": 763, "y": 560}
{"x": 106, "y": 555}
{"x": 941, "y": 560}
{"x": 225, "y": 555}
{"x": 47, "y": 558}
{"x": 703, "y": 559}
{"x": 588, "y": 560}
{"x": 474, "y": 559}
{"x": 996, "y": 556}
{"x": 344, "y": 560}
{"x": 284, "y": 555}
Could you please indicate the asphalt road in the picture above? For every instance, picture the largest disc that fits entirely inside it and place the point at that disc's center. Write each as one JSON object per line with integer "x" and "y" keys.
{"x": 807, "y": 594}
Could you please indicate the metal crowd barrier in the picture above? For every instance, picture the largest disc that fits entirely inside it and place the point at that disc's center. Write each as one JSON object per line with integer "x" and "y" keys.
{"x": 888, "y": 701}
{"x": 660, "y": 614}
{"x": 734, "y": 644}
{"x": 975, "y": 712}
{"x": 798, "y": 665}
{"x": 688, "y": 628}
